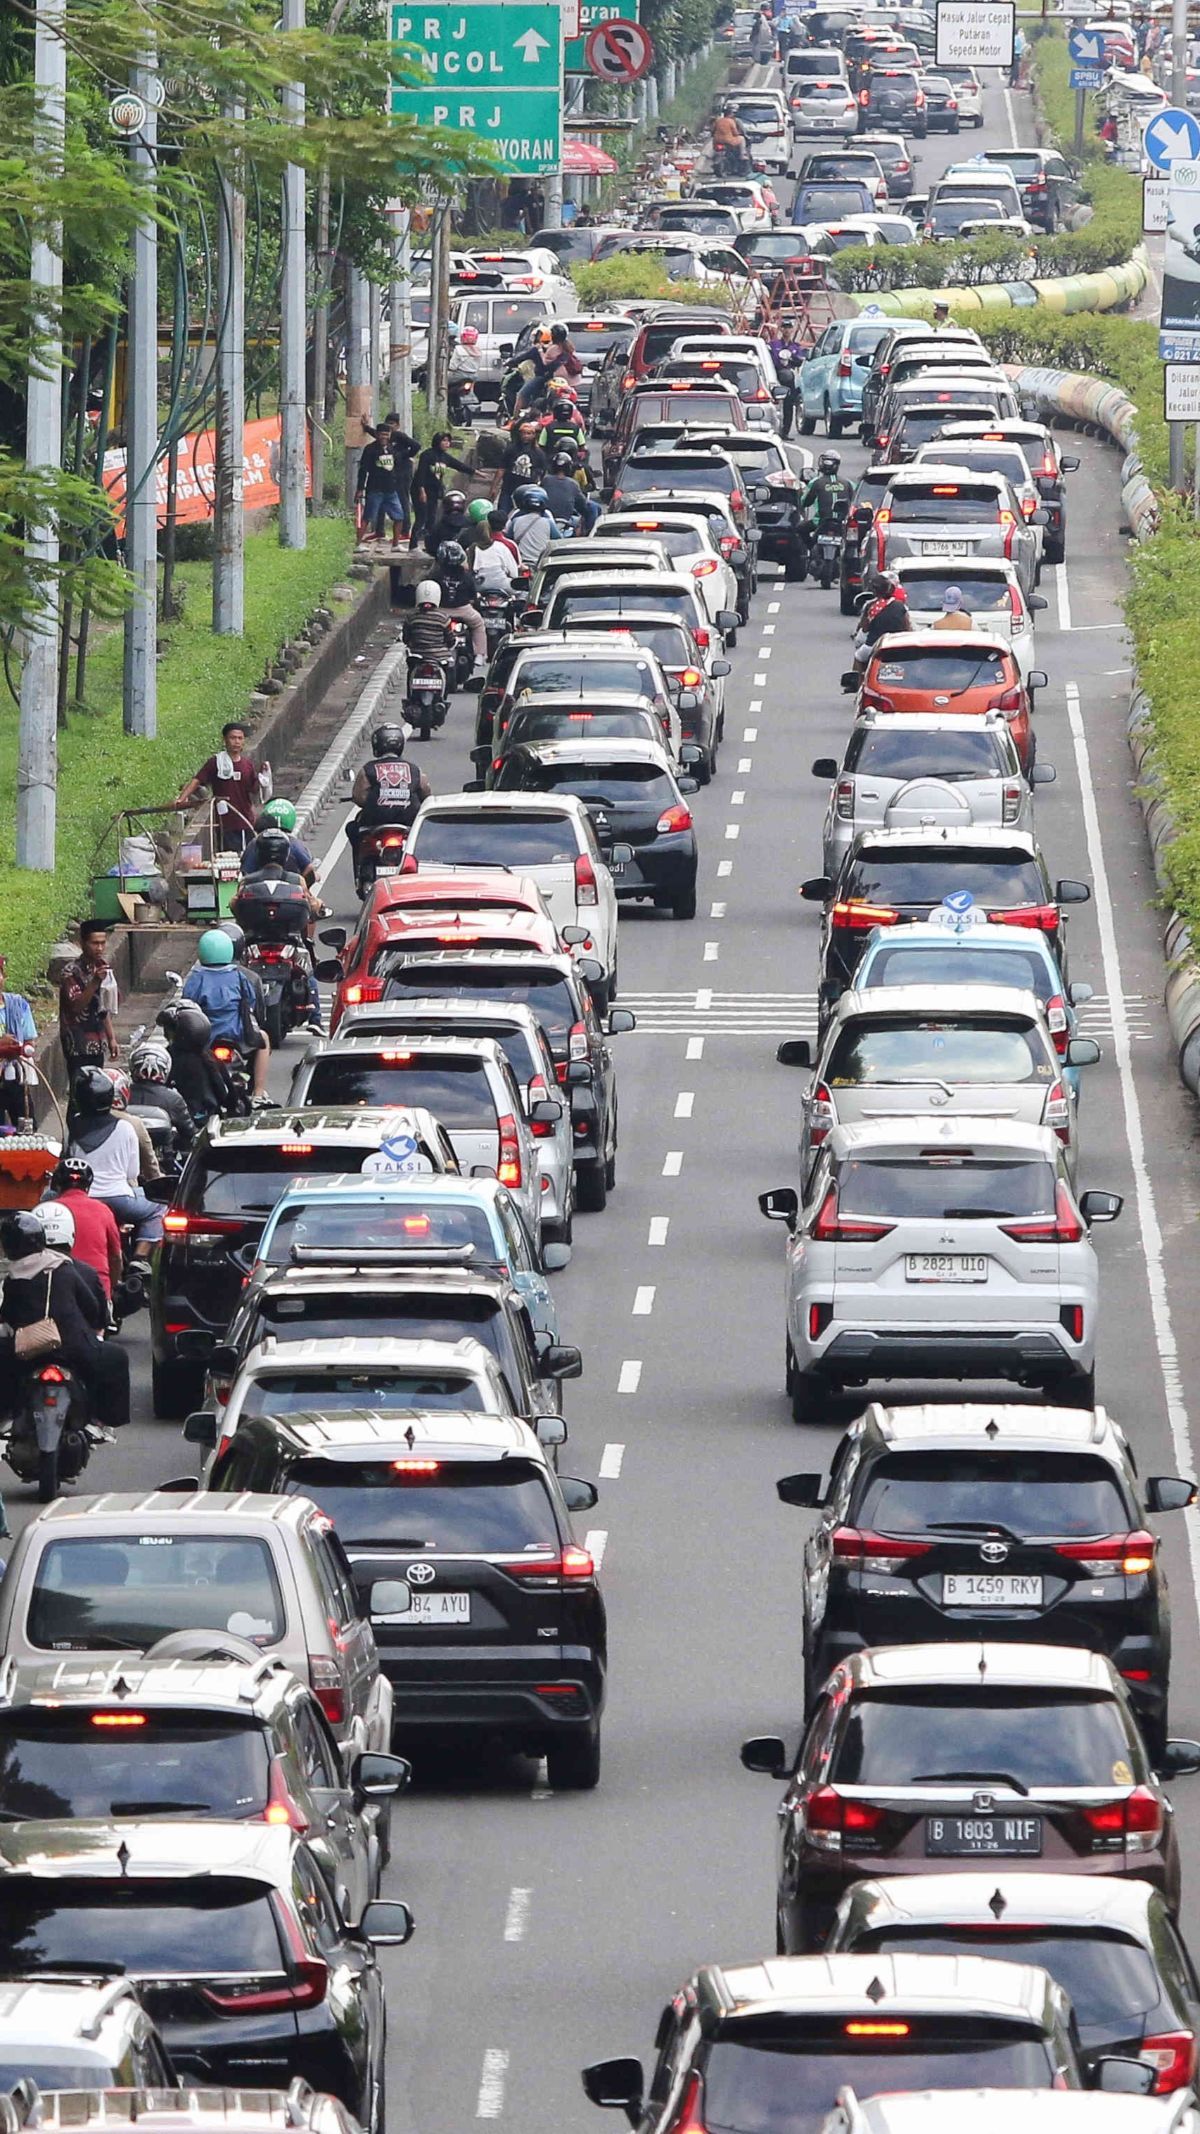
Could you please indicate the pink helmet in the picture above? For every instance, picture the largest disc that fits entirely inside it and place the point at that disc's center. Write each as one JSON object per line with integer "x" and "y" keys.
{"x": 469, "y": 336}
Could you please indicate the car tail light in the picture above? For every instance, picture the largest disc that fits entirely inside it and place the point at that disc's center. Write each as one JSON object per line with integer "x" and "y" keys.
{"x": 843, "y": 800}
{"x": 1172, "y": 2055}
{"x": 1010, "y": 700}
{"x": 1064, "y": 1227}
{"x": 281, "y": 1808}
{"x": 325, "y": 1678}
{"x": 1012, "y": 797}
{"x": 1134, "y": 1823}
{"x": 829, "y": 1817}
{"x": 585, "y": 881}
{"x": 875, "y": 1552}
{"x": 508, "y": 1170}
{"x": 845, "y": 364}
{"x": 703, "y": 638}
{"x": 761, "y": 394}
{"x": 1049, "y": 465}
{"x": 820, "y": 1114}
{"x": 1029, "y": 505}
{"x": 705, "y": 568}
{"x": 361, "y": 991}
{"x": 577, "y": 1044}
{"x": 831, "y": 1228}
{"x": 690, "y": 677}
{"x": 1057, "y": 1112}
{"x": 409, "y": 864}
{"x": 1131, "y": 1555}
{"x": 677, "y": 818}
{"x": 1043, "y": 916}
{"x": 883, "y": 517}
{"x": 1056, "y": 1021}
{"x": 691, "y": 2109}
{"x": 1008, "y": 520}
{"x": 177, "y": 1224}
{"x": 575, "y": 1564}
{"x": 858, "y": 918}
{"x": 737, "y": 500}
{"x": 728, "y": 542}
{"x": 106, "y": 1719}
{"x": 952, "y": 103}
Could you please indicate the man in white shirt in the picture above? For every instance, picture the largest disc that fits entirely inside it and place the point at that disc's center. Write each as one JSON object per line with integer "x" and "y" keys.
{"x": 111, "y": 1146}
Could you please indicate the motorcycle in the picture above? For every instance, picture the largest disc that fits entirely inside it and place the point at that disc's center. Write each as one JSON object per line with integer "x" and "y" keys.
{"x": 825, "y": 554}
{"x": 380, "y": 853}
{"x": 51, "y": 1431}
{"x": 496, "y": 610}
{"x": 425, "y": 699}
{"x": 275, "y": 916}
{"x": 463, "y": 657}
{"x": 460, "y": 401}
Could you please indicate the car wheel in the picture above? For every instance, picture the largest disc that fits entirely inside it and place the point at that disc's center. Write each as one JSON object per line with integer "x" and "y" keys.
{"x": 783, "y": 1945}
{"x": 684, "y": 906}
{"x": 793, "y": 566}
{"x": 1055, "y": 553}
{"x": 810, "y": 1397}
{"x": 573, "y": 1765}
{"x": 806, "y": 425}
{"x": 834, "y": 424}
{"x": 175, "y": 1389}
{"x": 847, "y": 601}
{"x": 954, "y": 125}
{"x": 591, "y": 1187}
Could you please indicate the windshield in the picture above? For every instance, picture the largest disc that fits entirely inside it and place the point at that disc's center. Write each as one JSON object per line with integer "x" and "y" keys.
{"x": 903, "y": 1737}
{"x": 916, "y": 878}
{"x": 1035, "y": 1495}
{"x": 407, "y": 1225}
{"x": 330, "y": 1392}
{"x": 458, "y": 1092}
{"x": 497, "y": 840}
{"x": 250, "y": 1183}
{"x": 465, "y": 1508}
{"x": 662, "y": 473}
{"x": 196, "y": 1927}
{"x": 560, "y": 672}
{"x": 1109, "y": 1976}
{"x": 948, "y": 670}
{"x": 124, "y": 1592}
{"x": 937, "y": 1187}
{"x": 962, "y": 963}
{"x": 787, "y": 2084}
{"x": 548, "y": 994}
{"x": 971, "y": 752}
{"x": 985, "y": 1049}
{"x": 135, "y": 1762}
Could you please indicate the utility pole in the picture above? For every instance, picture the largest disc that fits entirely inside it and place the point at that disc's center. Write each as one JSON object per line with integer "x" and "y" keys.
{"x": 229, "y": 523}
{"x": 358, "y": 375}
{"x": 323, "y": 279}
{"x": 1176, "y": 434}
{"x": 400, "y": 318}
{"x": 140, "y": 680}
{"x": 439, "y": 312}
{"x": 293, "y": 521}
{"x": 37, "y": 763}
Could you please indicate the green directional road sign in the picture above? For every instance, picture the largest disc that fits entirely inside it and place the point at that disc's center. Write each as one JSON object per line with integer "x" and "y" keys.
{"x": 497, "y": 72}
{"x": 590, "y": 13}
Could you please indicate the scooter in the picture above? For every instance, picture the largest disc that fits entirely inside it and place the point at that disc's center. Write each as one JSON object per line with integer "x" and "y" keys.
{"x": 275, "y": 916}
{"x": 825, "y": 554}
{"x": 380, "y": 853}
{"x": 464, "y": 658}
{"x": 425, "y": 701}
{"x": 51, "y": 1431}
{"x": 496, "y": 610}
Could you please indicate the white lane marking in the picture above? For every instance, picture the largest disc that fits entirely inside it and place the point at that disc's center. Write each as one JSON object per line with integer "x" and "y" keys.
{"x": 745, "y": 763}
{"x": 1148, "y": 1223}
{"x": 750, "y": 733}
{"x": 1011, "y": 116}
{"x": 1080, "y": 627}
{"x": 595, "y": 1541}
{"x": 610, "y": 1462}
{"x": 712, "y": 950}
{"x": 684, "y": 1102}
{"x": 732, "y": 829}
{"x": 673, "y": 1163}
{"x": 630, "y": 1376}
{"x": 1063, "y": 591}
{"x": 490, "y": 2102}
{"x": 334, "y": 849}
{"x": 760, "y": 681}
{"x": 769, "y": 629}
{"x": 695, "y": 1049}
{"x": 766, "y": 651}
{"x": 659, "y": 1226}
{"x": 773, "y": 607}
{"x": 717, "y": 910}
{"x": 737, "y": 799}
{"x": 643, "y": 1300}
{"x": 704, "y": 996}
{"x": 724, "y": 869}
{"x": 516, "y": 1918}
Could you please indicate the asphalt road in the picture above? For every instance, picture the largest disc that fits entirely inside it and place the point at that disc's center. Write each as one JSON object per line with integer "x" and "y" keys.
{"x": 552, "y": 1928}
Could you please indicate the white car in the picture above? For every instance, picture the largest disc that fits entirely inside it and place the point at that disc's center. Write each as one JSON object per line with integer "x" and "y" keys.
{"x": 969, "y": 90}
{"x": 536, "y": 269}
{"x": 762, "y": 115}
{"x": 688, "y": 258}
{"x": 700, "y": 216}
{"x": 982, "y": 181}
{"x": 640, "y": 592}
{"x": 916, "y": 770}
{"x": 991, "y": 595}
{"x": 745, "y": 197}
{"x": 929, "y": 1249}
{"x": 691, "y": 546}
{"x": 334, "y": 1372}
{"x": 547, "y": 837}
{"x": 579, "y": 557}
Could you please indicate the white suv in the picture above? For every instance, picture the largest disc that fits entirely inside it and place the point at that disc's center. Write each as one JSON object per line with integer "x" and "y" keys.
{"x": 921, "y": 770}
{"x": 328, "y": 1375}
{"x": 929, "y": 1248}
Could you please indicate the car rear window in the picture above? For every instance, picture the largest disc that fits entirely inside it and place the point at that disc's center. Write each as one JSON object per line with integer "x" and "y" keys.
{"x": 949, "y": 502}
{"x": 1034, "y": 1495}
{"x": 677, "y": 400}
{"x": 664, "y": 639}
{"x": 547, "y": 993}
{"x": 787, "y": 2081}
{"x": 291, "y": 1392}
{"x": 664, "y": 472}
{"x": 496, "y": 840}
{"x": 746, "y": 376}
{"x": 1008, "y": 460}
{"x": 973, "y": 752}
{"x": 137, "y": 1761}
{"x": 511, "y": 313}
{"x": 825, "y": 92}
{"x": 983, "y": 593}
{"x": 677, "y": 540}
{"x": 594, "y": 337}
{"x": 916, "y": 878}
{"x": 251, "y": 1182}
{"x": 940, "y": 1186}
{"x": 523, "y": 1056}
{"x": 458, "y": 1092}
{"x": 466, "y": 1507}
{"x": 944, "y": 215}
{"x": 967, "y": 964}
{"x": 598, "y": 785}
{"x": 1041, "y": 1738}
{"x": 412, "y": 1318}
{"x": 609, "y": 600}
{"x": 123, "y": 1592}
{"x": 1028, "y": 165}
{"x": 946, "y": 669}
{"x": 937, "y": 1049}
{"x": 871, "y": 336}
{"x": 1109, "y": 1976}
{"x": 828, "y": 203}
{"x": 923, "y": 426}
{"x": 410, "y": 1227}
{"x": 658, "y": 340}
{"x": 702, "y": 222}
{"x": 760, "y": 115}
{"x": 562, "y": 672}
{"x": 203, "y": 1925}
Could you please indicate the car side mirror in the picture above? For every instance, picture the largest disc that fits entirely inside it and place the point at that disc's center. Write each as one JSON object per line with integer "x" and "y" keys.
{"x": 687, "y": 700}
{"x": 1069, "y": 892}
{"x": 578, "y": 1073}
{"x": 621, "y": 855}
{"x": 794, "y": 1052}
{"x": 473, "y": 785}
{"x": 578, "y": 1496}
{"x": 546, "y": 1112}
{"x": 1100, "y": 1207}
{"x": 620, "y": 1021}
{"x": 802, "y": 1491}
{"x": 328, "y": 967}
{"x": 720, "y": 668}
{"x": 574, "y": 936}
{"x": 781, "y": 1205}
{"x": 561, "y": 1360}
{"x": 1042, "y": 774}
{"x": 825, "y": 767}
{"x": 1037, "y": 601}
{"x": 688, "y": 785}
{"x": 1069, "y": 463}
{"x": 1122, "y": 2077}
{"x": 386, "y": 1923}
{"x": 589, "y": 969}
{"x": 375, "y": 1776}
{"x": 1082, "y": 1052}
{"x": 817, "y": 890}
{"x": 850, "y": 681}
{"x": 480, "y": 757}
{"x": 1038, "y": 678}
{"x": 223, "y": 1359}
{"x": 726, "y": 619}
{"x": 194, "y": 1346}
{"x": 334, "y": 937}
{"x": 1079, "y": 995}
{"x": 160, "y": 1190}
{"x": 760, "y": 493}
{"x": 201, "y": 1429}
{"x": 178, "y": 1486}
{"x": 616, "y": 2085}
{"x": 1169, "y": 1493}
{"x": 550, "y": 1431}
{"x": 555, "y": 1257}
{"x": 766, "y": 1755}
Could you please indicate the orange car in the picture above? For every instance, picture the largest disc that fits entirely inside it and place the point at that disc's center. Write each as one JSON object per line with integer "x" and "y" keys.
{"x": 453, "y": 898}
{"x": 966, "y": 671}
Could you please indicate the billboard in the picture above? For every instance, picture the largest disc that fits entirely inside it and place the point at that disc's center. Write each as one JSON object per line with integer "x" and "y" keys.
{"x": 197, "y": 478}
{"x": 1179, "y": 319}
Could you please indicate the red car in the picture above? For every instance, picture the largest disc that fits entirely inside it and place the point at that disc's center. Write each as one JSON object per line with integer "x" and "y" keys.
{"x": 452, "y": 898}
{"x": 967, "y": 671}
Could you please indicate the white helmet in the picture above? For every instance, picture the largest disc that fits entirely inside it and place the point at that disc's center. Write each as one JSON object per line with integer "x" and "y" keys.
{"x": 429, "y": 593}
{"x": 150, "y": 1061}
{"x": 58, "y": 1225}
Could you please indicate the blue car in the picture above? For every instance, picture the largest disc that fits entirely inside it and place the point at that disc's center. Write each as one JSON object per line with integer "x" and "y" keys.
{"x": 831, "y": 382}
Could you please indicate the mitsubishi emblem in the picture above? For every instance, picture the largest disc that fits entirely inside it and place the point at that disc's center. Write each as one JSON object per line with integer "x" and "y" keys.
{"x": 994, "y": 1551}
{"x": 420, "y": 1574}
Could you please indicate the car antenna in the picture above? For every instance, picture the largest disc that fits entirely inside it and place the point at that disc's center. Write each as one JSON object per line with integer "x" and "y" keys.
{"x": 997, "y": 1903}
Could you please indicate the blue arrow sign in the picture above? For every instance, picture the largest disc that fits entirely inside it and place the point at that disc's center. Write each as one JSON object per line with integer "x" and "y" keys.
{"x": 1173, "y": 136}
{"x": 1086, "y": 48}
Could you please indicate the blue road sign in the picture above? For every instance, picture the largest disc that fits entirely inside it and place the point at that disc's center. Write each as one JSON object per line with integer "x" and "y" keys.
{"x": 1173, "y": 136}
{"x": 1086, "y": 78}
{"x": 1086, "y": 48}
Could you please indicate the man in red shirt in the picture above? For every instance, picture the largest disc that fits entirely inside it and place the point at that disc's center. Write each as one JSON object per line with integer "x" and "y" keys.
{"x": 232, "y": 778}
{"x": 97, "y": 1238}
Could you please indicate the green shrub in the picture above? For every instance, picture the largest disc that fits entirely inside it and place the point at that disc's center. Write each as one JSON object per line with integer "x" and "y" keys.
{"x": 1125, "y": 350}
{"x": 642, "y": 274}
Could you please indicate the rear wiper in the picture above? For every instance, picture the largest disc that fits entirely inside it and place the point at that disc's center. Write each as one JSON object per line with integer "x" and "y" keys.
{"x": 908, "y": 1081}
{"x": 160, "y": 1808}
{"x": 964, "y": 1215}
{"x": 973, "y": 1526}
{"x": 984, "y": 1778}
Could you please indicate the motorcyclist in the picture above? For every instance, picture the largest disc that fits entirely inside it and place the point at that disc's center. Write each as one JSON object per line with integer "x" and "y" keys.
{"x": 451, "y": 521}
{"x": 58, "y": 1229}
{"x": 562, "y": 428}
{"x": 463, "y": 371}
{"x": 389, "y": 789}
{"x": 108, "y": 1141}
{"x": 574, "y": 512}
{"x": 122, "y": 1089}
{"x": 280, "y": 815}
{"x": 826, "y": 500}
{"x": 885, "y": 612}
{"x": 532, "y": 525}
{"x": 233, "y": 1001}
{"x": 524, "y": 460}
{"x": 97, "y": 1238}
{"x": 41, "y": 1284}
{"x": 150, "y": 1085}
{"x": 728, "y": 144}
{"x": 494, "y": 562}
{"x": 787, "y": 356}
{"x": 203, "y": 1082}
{"x": 274, "y": 855}
{"x": 455, "y": 579}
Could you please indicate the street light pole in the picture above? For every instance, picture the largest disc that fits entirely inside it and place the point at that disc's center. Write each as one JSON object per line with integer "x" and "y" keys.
{"x": 400, "y": 318}
{"x": 293, "y": 522}
{"x": 1176, "y": 434}
{"x": 140, "y": 680}
{"x": 229, "y": 527}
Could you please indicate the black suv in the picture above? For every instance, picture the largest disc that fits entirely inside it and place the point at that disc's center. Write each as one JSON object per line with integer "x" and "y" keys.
{"x": 231, "y": 1935}
{"x": 637, "y": 804}
{"x": 893, "y": 96}
{"x": 176, "y": 1731}
{"x": 981, "y": 1519}
{"x": 888, "y": 876}
{"x": 778, "y": 493}
{"x": 485, "y": 1609}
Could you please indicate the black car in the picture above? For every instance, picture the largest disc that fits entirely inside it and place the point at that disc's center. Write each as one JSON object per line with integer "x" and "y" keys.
{"x": 1028, "y": 1523}
{"x": 673, "y": 469}
{"x": 941, "y": 104}
{"x": 485, "y": 1609}
{"x": 1049, "y": 186}
{"x": 891, "y": 875}
{"x": 637, "y": 804}
{"x": 891, "y": 152}
{"x": 229, "y": 1930}
{"x": 910, "y": 336}
{"x": 777, "y": 491}
{"x": 894, "y": 96}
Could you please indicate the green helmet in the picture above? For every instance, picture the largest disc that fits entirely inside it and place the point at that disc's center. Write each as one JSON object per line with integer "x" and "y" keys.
{"x": 215, "y": 948}
{"x": 282, "y": 814}
{"x": 478, "y": 511}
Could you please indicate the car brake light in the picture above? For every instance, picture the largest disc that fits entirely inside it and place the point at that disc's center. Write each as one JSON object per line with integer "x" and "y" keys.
{"x": 737, "y": 500}
{"x": 1172, "y": 2055}
{"x": 834, "y": 1816}
{"x": 409, "y": 864}
{"x": 1132, "y": 1555}
{"x": 705, "y": 568}
{"x": 877, "y": 2030}
{"x": 112, "y": 1719}
{"x": 586, "y": 891}
{"x": 831, "y": 1228}
{"x": 1044, "y": 916}
{"x": 577, "y": 1044}
{"x": 1064, "y": 1227}
{"x": 1057, "y": 1024}
{"x": 361, "y": 991}
{"x": 177, "y": 1224}
{"x": 1057, "y": 1111}
{"x": 875, "y": 1552}
{"x": 1029, "y": 505}
{"x": 1012, "y": 798}
{"x": 628, "y": 381}
{"x": 691, "y": 2110}
{"x": 952, "y": 103}
{"x": 307, "y": 1982}
{"x": 727, "y": 543}
{"x": 676, "y": 818}
{"x": 1134, "y": 1822}
{"x": 857, "y": 918}
{"x": 575, "y": 1563}
{"x": 820, "y": 1114}
{"x": 1049, "y": 465}
{"x": 281, "y": 1808}
{"x": 845, "y": 364}
{"x": 508, "y": 1170}
{"x": 325, "y": 1677}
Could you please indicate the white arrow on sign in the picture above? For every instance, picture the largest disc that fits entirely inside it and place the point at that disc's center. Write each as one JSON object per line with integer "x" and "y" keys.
{"x": 1175, "y": 140}
{"x": 1088, "y": 48}
{"x": 531, "y": 43}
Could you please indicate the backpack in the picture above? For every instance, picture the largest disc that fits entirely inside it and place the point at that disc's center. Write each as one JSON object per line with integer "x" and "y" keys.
{"x": 571, "y": 364}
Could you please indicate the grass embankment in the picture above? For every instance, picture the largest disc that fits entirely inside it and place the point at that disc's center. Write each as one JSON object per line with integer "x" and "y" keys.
{"x": 202, "y": 681}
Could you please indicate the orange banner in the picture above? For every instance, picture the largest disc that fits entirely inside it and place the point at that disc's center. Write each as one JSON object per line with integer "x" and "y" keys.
{"x": 196, "y": 479}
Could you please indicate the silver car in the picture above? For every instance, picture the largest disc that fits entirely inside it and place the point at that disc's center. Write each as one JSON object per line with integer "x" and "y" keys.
{"x": 939, "y": 1248}
{"x": 991, "y": 596}
{"x": 983, "y": 1051}
{"x": 948, "y": 511}
{"x": 823, "y": 103}
{"x": 922, "y": 769}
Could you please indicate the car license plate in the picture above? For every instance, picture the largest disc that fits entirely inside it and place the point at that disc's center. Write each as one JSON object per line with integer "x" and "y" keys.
{"x": 432, "y": 1608}
{"x": 945, "y": 1267}
{"x": 965, "y": 1836}
{"x": 382, "y": 872}
{"x": 988, "y": 1589}
{"x": 944, "y": 548}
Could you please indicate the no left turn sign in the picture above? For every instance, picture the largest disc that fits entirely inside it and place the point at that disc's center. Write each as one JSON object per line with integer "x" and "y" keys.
{"x": 619, "y": 51}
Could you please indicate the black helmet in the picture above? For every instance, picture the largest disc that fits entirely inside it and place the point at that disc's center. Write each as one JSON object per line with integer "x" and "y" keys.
{"x": 230, "y": 927}
{"x": 455, "y": 500}
{"x": 71, "y": 1174}
{"x": 829, "y": 462}
{"x": 92, "y": 1092}
{"x": 274, "y": 850}
{"x": 388, "y": 740}
{"x": 21, "y": 1234}
{"x": 186, "y": 1025}
{"x": 882, "y": 584}
{"x": 564, "y": 462}
{"x": 452, "y": 554}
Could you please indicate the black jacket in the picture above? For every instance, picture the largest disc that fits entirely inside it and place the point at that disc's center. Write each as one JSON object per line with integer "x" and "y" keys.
{"x": 161, "y": 1096}
{"x": 892, "y": 616}
{"x": 459, "y": 589}
{"x": 46, "y": 1284}
{"x": 565, "y": 498}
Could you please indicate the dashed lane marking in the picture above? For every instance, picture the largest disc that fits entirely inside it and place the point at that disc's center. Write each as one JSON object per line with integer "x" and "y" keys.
{"x": 610, "y": 1462}
{"x": 490, "y": 2102}
{"x": 684, "y": 1102}
{"x": 695, "y": 1049}
{"x": 630, "y": 1376}
{"x": 516, "y": 1917}
{"x": 643, "y": 1301}
{"x": 595, "y": 1541}
{"x": 672, "y": 1163}
{"x": 659, "y": 1226}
